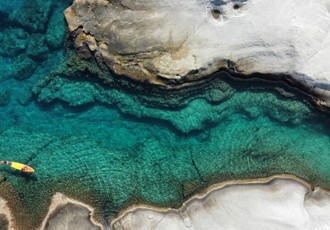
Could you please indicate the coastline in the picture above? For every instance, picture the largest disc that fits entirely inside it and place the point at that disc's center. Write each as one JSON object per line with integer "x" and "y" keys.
{"x": 178, "y": 59}
{"x": 60, "y": 201}
{"x": 170, "y": 216}
{"x": 215, "y": 187}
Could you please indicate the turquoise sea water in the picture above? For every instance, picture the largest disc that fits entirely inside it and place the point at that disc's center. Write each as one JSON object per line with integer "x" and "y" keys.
{"x": 112, "y": 146}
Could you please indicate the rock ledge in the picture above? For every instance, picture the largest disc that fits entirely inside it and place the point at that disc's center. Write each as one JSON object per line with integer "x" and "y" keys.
{"x": 172, "y": 43}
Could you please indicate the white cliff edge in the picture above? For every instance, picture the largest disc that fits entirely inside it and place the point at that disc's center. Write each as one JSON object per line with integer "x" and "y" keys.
{"x": 280, "y": 204}
{"x": 180, "y": 41}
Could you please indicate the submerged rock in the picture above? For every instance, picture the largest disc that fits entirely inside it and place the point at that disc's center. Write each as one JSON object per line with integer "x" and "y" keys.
{"x": 31, "y": 15}
{"x": 13, "y": 41}
{"x": 172, "y": 43}
{"x": 188, "y": 109}
{"x": 56, "y": 30}
{"x": 71, "y": 92}
{"x": 19, "y": 68}
{"x": 38, "y": 49}
{"x": 25, "y": 97}
{"x": 4, "y": 98}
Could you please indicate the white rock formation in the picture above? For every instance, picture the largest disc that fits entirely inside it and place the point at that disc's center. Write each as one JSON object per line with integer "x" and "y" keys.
{"x": 178, "y": 41}
{"x": 66, "y": 214}
{"x": 281, "y": 204}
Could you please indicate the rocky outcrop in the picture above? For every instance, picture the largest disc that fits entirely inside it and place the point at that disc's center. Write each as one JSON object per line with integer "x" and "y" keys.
{"x": 171, "y": 43}
{"x": 281, "y": 204}
{"x": 65, "y": 213}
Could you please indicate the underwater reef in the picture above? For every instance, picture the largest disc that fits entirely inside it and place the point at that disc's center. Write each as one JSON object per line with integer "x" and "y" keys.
{"x": 109, "y": 142}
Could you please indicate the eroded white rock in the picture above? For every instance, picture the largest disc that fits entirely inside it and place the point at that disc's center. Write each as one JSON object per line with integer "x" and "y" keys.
{"x": 65, "y": 214}
{"x": 166, "y": 41}
{"x": 281, "y": 204}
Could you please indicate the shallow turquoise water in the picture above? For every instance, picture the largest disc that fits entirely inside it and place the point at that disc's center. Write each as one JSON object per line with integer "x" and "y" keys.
{"x": 118, "y": 149}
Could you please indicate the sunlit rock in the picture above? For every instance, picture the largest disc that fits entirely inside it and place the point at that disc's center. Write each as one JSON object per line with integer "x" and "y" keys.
{"x": 66, "y": 214}
{"x": 174, "y": 42}
{"x": 280, "y": 204}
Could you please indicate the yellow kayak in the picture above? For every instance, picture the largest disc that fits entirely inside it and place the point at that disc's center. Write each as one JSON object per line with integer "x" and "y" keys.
{"x": 18, "y": 166}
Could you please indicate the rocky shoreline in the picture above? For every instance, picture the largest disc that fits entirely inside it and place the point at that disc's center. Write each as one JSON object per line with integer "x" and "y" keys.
{"x": 280, "y": 201}
{"x": 155, "y": 42}
{"x": 281, "y": 193}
